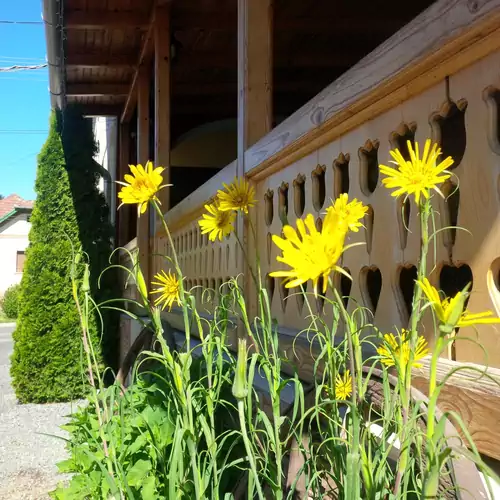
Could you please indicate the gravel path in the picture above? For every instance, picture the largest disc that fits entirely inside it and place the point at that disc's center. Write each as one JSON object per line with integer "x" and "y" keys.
{"x": 27, "y": 458}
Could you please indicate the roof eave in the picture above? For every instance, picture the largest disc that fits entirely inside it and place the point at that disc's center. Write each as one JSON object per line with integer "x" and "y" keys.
{"x": 15, "y": 211}
{"x": 53, "y": 19}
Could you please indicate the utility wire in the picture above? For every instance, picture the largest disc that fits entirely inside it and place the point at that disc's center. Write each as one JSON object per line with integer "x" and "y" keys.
{"x": 11, "y": 69}
{"x": 21, "y": 22}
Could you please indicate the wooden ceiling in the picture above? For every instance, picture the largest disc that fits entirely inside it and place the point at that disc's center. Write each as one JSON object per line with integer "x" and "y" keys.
{"x": 315, "y": 41}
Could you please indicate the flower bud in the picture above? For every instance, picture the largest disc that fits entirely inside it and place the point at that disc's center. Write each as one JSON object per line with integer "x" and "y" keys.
{"x": 456, "y": 309}
{"x": 240, "y": 390}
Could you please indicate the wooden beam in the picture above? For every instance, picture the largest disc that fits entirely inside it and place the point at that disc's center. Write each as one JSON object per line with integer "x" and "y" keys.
{"x": 145, "y": 57}
{"x": 91, "y": 110}
{"x": 210, "y": 60}
{"x": 111, "y": 61}
{"x": 96, "y": 89}
{"x": 255, "y": 70}
{"x": 162, "y": 97}
{"x": 123, "y": 161}
{"x": 476, "y": 399}
{"x": 103, "y": 19}
{"x": 332, "y": 23}
{"x": 143, "y": 155}
{"x": 222, "y": 88}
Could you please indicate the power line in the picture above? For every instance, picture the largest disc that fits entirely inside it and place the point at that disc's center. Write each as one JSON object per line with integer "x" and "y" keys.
{"x": 23, "y": 132}
{"x": 17, "y": 67}
{"x": 22, "y": 58}
{"x": 21, "y": 22}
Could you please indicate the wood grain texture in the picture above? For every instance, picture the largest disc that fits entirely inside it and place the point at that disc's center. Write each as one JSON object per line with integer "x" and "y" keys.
{"x": 145, "y": 56}
{"x": 123, "y": 215}
{"x": 162, "y": 37}
{"x": 143, "y": 156}
{"x": 450, "y": 31}
{"x": 473, "y": 396}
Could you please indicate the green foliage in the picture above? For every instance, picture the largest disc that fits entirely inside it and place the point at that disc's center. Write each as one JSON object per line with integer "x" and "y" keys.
{"x": 69, "y": 214}
{"x": 10, "y": 301}
{"x": 140, "y": 428}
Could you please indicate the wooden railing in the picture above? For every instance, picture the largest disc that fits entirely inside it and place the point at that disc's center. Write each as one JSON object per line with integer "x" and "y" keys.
{"x": 437, "y": 78}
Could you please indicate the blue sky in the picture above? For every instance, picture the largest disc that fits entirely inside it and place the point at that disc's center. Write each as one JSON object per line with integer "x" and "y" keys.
{"x": 24, "y": 96}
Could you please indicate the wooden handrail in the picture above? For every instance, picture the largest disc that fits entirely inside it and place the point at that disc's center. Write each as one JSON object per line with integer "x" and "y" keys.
{"x": 447, "y": 37}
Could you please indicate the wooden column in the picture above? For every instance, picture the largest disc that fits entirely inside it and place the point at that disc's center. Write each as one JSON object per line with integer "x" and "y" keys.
{"x": 255, "y": 71}
{"x": 255, "y": 112}
{"x": 123, "y": 162}
{"x": 162, "y": 98}
{"x": 143, "y": 155}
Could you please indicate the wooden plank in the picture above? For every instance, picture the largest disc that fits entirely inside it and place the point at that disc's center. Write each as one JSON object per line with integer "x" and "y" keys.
{"x": 143, "y": 155}
{"x": 162, "y": 97}
{"x": 255, "y": 106}
{"x": 144, "y": 60}
{"x": 332, "y": 24}
{"x": 91, "y": 110}
{"x": 123, "y": 213}
{"x": 476, "y": 399}
{"x": 102, "y": 19}
{"x": 445, "y": 38}
{"x": 111, "y": 61}
{"x": 96, "y": 89}
{"x": 255, "y": 69}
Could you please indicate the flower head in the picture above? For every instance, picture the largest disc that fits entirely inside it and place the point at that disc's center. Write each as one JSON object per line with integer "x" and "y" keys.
{"x": 169, "y": 289}
{"x": 348, "y": 212}
{"x": 142, "y": 186}
{"x": 451, "y": 312}
{"x": 417, "y": 175}
{"x": 395, "y": 351}
{"x": 343, "y": 385}
{"x": 238, "y": 195}
{"x": 216, "y": 223}
{"x": 311, "y": 254}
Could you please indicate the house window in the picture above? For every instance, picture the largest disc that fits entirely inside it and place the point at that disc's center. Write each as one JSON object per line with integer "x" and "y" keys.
{"x": 20, "y": 258}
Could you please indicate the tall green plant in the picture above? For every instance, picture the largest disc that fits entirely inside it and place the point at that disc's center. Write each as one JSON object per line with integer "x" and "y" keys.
{"x": 69, "y": 212}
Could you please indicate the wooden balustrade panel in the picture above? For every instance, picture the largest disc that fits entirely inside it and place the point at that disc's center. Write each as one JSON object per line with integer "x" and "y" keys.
{"x": 463, "y": 116}
{"x": 206, "y": 265}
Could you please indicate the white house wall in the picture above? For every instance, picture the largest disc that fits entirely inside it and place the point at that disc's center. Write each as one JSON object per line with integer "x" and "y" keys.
{"x": 105, "y": 132}
{"x": 13, "y": 239}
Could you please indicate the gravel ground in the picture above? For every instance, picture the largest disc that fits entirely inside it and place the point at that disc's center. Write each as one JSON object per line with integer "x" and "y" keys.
{"x": 27, "y": 457}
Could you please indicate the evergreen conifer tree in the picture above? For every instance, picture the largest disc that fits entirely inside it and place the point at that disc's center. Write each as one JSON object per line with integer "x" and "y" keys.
{"x": 69, "y": 214}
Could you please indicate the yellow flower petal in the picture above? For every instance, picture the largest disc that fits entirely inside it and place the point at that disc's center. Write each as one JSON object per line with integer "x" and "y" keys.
{"x": 416, "y": 176}
{"x": 217, "y": 223}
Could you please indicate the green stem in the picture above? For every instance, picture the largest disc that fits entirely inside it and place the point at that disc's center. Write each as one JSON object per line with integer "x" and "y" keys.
{"x": 248, "y": 448}
{"x": 431, "y": 410}
{"x": 424, "y": 213}
{"x": 182, "y": 292}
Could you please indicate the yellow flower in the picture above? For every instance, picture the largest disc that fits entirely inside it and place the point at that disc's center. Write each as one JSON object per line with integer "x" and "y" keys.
{"x": 446, "y": 309}
{"x": 397, "y": 350}
{"x": 418, "y": 175}
{"x": 142, "y": 186}
{"x": 309, "y": 253}
{"x": 168, "y": 288}
{"x": 238, "y": 195}
{"x": 348, "y": 212}
{"x": 343, "y": 385}
{"x": 216, "y": 223}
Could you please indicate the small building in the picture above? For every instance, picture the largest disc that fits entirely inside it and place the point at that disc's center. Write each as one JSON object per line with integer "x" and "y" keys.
{"x": 14, "y": 230}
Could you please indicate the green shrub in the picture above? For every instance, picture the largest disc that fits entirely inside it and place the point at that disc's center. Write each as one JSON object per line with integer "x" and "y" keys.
{"x": 69, "y": 214}
{"x": 10, "y": 301}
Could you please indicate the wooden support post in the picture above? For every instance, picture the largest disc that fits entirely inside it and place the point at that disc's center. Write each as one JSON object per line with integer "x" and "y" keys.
{"x": 255, "y": 112}
{"x": 161, "y": 33}
{"x": 255, "y": 70}
{"x": 143, "y": 155}
{"x": 123, "y": 162}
